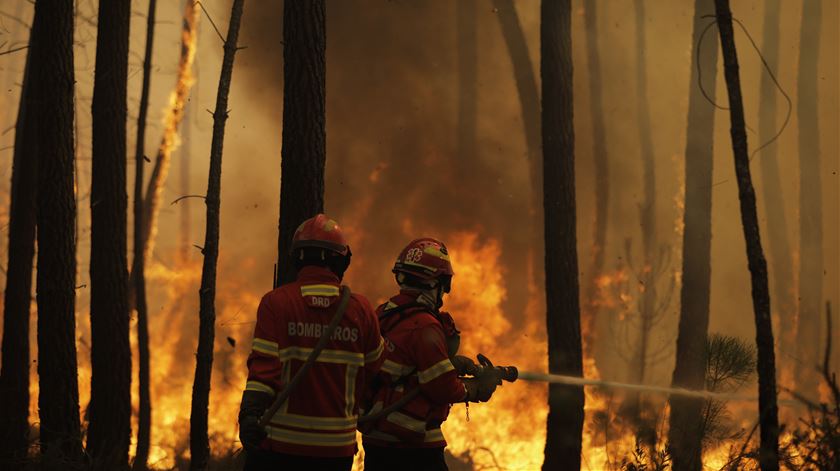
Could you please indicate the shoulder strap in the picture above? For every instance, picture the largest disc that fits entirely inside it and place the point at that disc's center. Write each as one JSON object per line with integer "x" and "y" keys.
{"x": 401, "y": 309}
{"x": 310, "y": 360}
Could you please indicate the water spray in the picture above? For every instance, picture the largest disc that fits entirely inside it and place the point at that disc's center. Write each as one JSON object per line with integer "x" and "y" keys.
{"x": 511, "y": 374}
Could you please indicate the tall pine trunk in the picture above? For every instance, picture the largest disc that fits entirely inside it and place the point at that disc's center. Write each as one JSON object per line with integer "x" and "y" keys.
{"x": 810, "y": 200}
{"x": 14, "y": 372}
{"x": 53, "y": 79}
{"x": 685, "y": 433}
{"x": 565, "y": 413}
{"x": 199, "y": 442}
{"x": 647, "y": 210}
{"x": 304, "y": 121}
{"x": 768, "y": 409}
{"x": 110, "y": 397}
{"x": 138, "y": 276}
{"x": 781, "y": 263}
{"x": 602, "y": 182}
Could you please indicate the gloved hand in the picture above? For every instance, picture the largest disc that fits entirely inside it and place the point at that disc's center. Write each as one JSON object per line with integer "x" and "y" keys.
{"x": 254, "y": 403}
{"x": 250, "y": 432}
{"x": 464, "y": 365}
{"x": 481, "y": 387}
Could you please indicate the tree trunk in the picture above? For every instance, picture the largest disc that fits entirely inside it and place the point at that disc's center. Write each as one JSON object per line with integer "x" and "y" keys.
{"x": 110, "y": 397}
{"x": 304, "y": 119}
{"x": 565, "y": 414}
{"x": 199, "y": 443}
{"x": 53, "y": 78}
{"x": 810, "y": 201}
{"x": 14, "y": 372}
{"x": 768, "y": 410}
{"x": 647, "y": 211}
{"x": 777, "y": 236}
{"x": 517, "y": 245}
{"x": 602, "y": 188}
{"x": 157, "y": 179}
{"x": 685, "y": 430}
{"x": 138, "y": 278}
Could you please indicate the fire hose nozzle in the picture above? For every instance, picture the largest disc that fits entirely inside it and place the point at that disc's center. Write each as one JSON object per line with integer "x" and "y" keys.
{"x": 504, "y": 373}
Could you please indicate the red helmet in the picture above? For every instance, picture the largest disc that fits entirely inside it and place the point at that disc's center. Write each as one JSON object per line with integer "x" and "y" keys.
{"x": 424, "y": 258}
{"x": 322, "y": 232}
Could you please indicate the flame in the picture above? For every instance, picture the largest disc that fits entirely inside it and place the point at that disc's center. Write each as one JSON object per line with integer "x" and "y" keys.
{"x": 174, "y": 113}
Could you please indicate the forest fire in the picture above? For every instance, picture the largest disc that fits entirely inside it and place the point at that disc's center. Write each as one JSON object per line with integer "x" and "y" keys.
{"x": 574, "y": 161}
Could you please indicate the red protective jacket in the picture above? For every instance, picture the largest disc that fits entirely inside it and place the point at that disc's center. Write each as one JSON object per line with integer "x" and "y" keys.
{"x": 319, "y": 418}
{"x": 416, "y": 357}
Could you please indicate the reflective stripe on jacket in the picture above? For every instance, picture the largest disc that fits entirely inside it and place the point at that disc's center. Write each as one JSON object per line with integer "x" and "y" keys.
{"x": 416, "y": 357}
{"x": 319, "y": 418}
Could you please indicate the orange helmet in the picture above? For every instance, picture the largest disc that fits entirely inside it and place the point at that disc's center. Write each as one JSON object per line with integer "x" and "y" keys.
{"x": 426, "y": 259}
{"x": 320, "y": 232}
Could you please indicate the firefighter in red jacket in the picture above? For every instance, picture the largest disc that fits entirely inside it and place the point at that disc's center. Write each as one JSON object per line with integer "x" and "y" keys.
{"x": 419, "y": 379}
{"x": 316, "y": 427}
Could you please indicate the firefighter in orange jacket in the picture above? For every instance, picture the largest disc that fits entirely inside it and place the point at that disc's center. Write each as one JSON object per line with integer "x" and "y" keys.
{"x": 420, "y": 376}
{"x": 316, "y": 427}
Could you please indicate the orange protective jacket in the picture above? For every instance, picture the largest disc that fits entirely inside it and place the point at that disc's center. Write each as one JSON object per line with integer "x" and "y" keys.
{"x": 319, "y": 418}
{"x": 416, "y": 357}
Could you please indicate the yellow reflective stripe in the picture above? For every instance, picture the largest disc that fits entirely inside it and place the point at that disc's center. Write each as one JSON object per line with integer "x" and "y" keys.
{"x": 319, "y": 290}
{"x": 405, "y": 421}
{"x": 396, "y": 369}
{"x": 420, "y": 265}
{"x": 350, "y": 390}
{"x": 435, "y": 370}
{"x": 314, "y": 423}
{"x": 264, "y": 346}
{"x": 374, "y": 355}
{"x": 390, "y": 305}
{"x": 257, "y": 386}
{"x": 343, "y": 357}
{"x": 312, "y": 439}
{"x": 434, "y": 251}
{"x": 434, "y": 435}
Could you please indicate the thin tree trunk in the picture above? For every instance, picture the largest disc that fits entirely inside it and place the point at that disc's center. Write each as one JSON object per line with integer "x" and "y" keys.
{"x": 14, "y": 372}
{"x": 109, "y": 431}
{"x": 199, "y": 443}
{"x": 515, "y": 243}
{"x": 602, "y": 188}
{"x": 810, "y": 200}
{"x": 157, "y": 179}
{"x": 685, "y": 433}
{"x": 52, "y": 71}
{"x": 526, "y": 88}
{"x": 565, "y": 414}
{"x": 304, "y": 120}
{"x": 138, "y": 281}
{"x": 647, "y": 210}
{"x": 768, "y": 409}
{"x": 777, "y": 236}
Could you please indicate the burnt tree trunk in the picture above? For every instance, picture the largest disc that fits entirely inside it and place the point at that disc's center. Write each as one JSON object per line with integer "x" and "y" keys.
{"x": 304, "y": 121}
{"x": 602, "y": 182}
{"x": 14, "y": 372}
{"x": 138, "y": 278}
{"x": 528, "y": 240}
{"x": 199, "y": 442}
{"x": 647, "y": 215}
{"x": 685, "y": 433}
{"x": 109, "y": 431}
{"x": 810, "y": 200}
{"x": 53, "y": 79}
{"x": 565, "y": 413}
{"x": 768, "y": 409}
{"x": 777, "y": 236}
{"x": 110, "y": 406}
{"x": 183, "y": 83}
